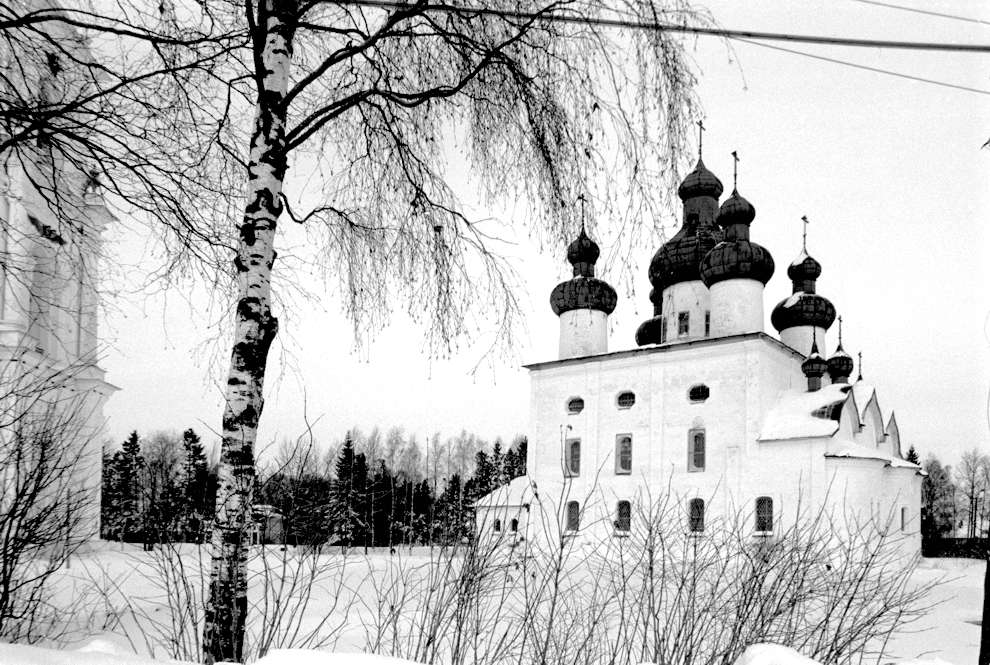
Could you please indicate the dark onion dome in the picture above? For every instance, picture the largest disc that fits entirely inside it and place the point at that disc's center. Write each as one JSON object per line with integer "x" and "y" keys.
{"x": 679, "y": 259}
{"x": 736, "y": 257}
{"x": 584, "y": 290}
{"x": 840, "y": 366}
{"x": 803, "y": 307}
{"x": 814, "y": 366}
{"x": 583, "y": 250}
{"x": 650, "y": 331}
{"x": 700, "y": 182}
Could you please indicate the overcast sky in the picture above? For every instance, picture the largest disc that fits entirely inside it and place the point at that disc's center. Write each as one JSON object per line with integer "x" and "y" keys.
{"x": 889, "y": 170}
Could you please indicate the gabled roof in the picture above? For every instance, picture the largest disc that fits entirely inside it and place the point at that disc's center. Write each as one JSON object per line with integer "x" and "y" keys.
{"x": 852, "y": 450}
{"x": 799, "y": 415}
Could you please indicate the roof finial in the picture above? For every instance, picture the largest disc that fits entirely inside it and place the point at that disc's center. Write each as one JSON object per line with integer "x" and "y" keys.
{"x": 735, "y": 170}
{"x": 804, "y": 233}
{"x": 860, "y": 356}
{"x": 701, "y": 129}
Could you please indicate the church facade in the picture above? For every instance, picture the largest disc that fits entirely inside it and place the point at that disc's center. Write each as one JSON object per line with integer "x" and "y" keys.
{"x": 709, "y": 411}
{"x": 52, "y": 387}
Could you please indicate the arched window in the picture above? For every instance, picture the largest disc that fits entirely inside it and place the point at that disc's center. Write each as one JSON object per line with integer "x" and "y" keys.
{"x": 623, "y": 454}
{"x": 696, "y": 515}
{"x": 764, "y": 514}
{"x": 497, "y": 526}
{"x": 663, "y": 330}
{"x": 698, "y": 393}
{"x": 626, "y": 399}
{"x": 514, "y": 526}
{"x": 904, "y": 518}
{"x": 573, "y": 461}
{"x": 708, "y": 324}
{"x": 623, "y": 516}
{"x": 575, "y": 405}
{"x": 696, "y": 450}
{"x": 573, "y": 516}
{"x": 683, "y": 323}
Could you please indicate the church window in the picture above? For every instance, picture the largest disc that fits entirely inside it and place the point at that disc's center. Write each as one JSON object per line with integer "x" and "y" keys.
{"x": 696, "y": 515}
{"x": 573, "y": 516}
{"x": 683, "y": 320}
{"x": 904, "y": 518}
{"x": 764, "y": 514}
{"x": 623, "y": 516}
{"x": 626, "y": 399}
{"x": 708, "y": 323}
{"x": 573, "y": 457}
{"x": 698, "y": 393}
{"x": 497, "y": 526}
{"x": 696, "y": 450}
{"x": 575, "y": 405}
{"x": 514, "y": 526}
{"x": 623, "y": 454}
{"x": 663, "y": 330}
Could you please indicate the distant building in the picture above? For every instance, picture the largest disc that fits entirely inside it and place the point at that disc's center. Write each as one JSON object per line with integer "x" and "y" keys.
{"x": 709, "y": 409}
{"x": 51, "y": 220}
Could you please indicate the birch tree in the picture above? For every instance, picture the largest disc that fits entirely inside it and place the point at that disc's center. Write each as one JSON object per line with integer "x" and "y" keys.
{"x": 195, "y": 112}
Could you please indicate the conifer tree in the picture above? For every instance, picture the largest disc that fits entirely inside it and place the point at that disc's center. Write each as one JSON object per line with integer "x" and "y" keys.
{"x": 195, "y": 479}
{"x": 912, "y": 455}
{"x": 128, "y": 466}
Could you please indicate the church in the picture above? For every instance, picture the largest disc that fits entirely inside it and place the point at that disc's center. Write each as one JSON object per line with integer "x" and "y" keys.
{"x": 52, "y": 387}
{"x": 709, "y": 410}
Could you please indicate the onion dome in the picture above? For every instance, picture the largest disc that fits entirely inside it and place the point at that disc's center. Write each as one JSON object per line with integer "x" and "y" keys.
{"x": 736, "y": 257}
{"x": 584, "y": 290}
{"x": 803, "y": 307}
{"x": 814, "y": 367}
{"x": 840, "y": 363}
{"x": 700, "y": 182}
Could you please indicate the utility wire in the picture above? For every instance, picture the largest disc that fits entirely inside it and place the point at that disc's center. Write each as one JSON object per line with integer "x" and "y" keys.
{"x": 923, "y": 11}
{"x": 878, "y": 70}
{"x": 671, "y": 27}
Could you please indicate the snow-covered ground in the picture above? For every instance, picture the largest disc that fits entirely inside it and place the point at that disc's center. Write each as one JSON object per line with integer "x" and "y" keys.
{"x": 342, "y": 604}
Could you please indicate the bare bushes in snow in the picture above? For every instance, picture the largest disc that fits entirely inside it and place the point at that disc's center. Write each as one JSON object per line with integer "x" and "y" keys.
{"x": 833, "y": 587}
{"x": 48, "y": 501}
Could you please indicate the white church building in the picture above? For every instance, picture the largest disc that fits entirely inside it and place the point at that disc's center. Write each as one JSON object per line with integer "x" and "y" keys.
{"x": 52, "y": 217}
{"x": 710, "y": 410}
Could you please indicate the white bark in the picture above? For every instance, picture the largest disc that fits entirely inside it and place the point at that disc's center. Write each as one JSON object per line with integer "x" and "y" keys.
{"x": 255, "y": 328}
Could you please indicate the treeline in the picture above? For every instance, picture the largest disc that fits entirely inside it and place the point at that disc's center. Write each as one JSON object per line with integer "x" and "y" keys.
{"x": 956, "y": 500}
{"x": 374, "y": 490}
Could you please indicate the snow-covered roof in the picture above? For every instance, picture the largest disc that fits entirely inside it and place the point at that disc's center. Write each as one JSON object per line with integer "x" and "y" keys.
{"x": 852, "y": 450}
{"x": 803, "y": 414}
{"x": 516, "y": 492}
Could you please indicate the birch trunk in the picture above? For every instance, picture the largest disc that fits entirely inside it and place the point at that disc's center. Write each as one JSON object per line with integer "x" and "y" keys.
{"x": 255, "y": 328}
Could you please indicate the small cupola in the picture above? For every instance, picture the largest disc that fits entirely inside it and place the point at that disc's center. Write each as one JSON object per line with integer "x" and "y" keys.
{"x": 583, "y": 302}
{"x": 814, "y": 368}
{"x": 840, "y": 363}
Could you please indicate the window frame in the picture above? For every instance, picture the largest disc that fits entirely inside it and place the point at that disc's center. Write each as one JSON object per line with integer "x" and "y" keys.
{"x": 514, "y": 525}
{"x": 764, "y": 518}
{"x": 619, "y": 469}
{"x": 497, "y": 526}
{"x": 708, "y": 323}
{"x": 683, "y": 321}
{"x": 618, "y": 399}
{"x": 618, "y": 524}
{"x": 692, "y": 465}
{"x": 663, "y": 330}
{"x": 696, "y": 520}
{"x": 572, "y": 400}
{"x": 569, "y": 447}
{"x": 572, "y": 517}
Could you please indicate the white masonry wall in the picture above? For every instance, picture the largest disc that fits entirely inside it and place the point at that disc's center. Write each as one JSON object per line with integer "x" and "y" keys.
{"x": 737, "y": 307}
{"x": 583, "y": 332}
{"x": 690, "y": 297}
{"x": 799, "y": 339}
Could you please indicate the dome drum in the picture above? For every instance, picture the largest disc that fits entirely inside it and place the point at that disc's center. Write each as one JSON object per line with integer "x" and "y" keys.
{"x": 803, "y": 309}
{"x": 678, "y": 260}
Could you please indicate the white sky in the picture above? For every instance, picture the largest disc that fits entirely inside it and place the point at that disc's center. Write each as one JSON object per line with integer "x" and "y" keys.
{"x": 889, "y": 170}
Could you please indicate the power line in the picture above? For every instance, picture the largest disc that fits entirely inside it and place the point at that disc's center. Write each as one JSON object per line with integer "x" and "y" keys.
{"x": 878, "y": 70}
{"x": 670, "y": 27}
{"x": 923, "y": 11}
